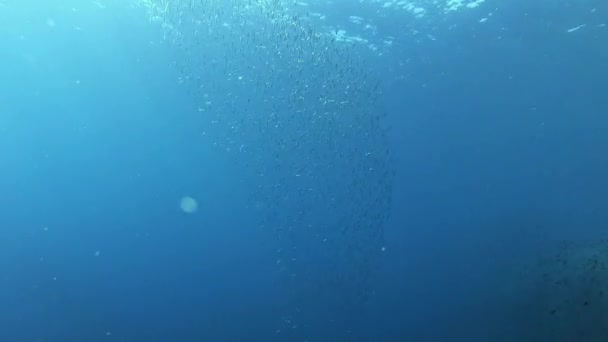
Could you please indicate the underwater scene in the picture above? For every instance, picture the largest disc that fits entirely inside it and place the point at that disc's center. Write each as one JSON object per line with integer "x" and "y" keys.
{"x": 316, "y": 170}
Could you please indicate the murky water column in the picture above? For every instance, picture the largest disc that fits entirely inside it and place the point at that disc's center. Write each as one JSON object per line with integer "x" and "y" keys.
{"x": 299, "y": 111}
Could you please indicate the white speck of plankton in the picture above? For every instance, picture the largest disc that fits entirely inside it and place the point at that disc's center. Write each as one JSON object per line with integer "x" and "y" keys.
{"x": 574, "y": 29}
{"x": 383, "y": 249}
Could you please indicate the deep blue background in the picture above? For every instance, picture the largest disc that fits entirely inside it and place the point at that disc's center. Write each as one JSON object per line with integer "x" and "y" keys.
{"x": 498, "y": 131}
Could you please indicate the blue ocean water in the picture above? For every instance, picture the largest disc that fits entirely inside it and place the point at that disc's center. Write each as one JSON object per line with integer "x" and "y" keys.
{"x": 320, "y": 171}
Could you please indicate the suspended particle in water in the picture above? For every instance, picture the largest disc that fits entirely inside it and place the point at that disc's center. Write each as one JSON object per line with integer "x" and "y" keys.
{"x": 188, "y": 205}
